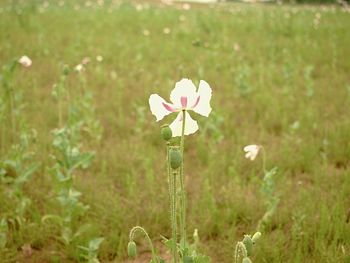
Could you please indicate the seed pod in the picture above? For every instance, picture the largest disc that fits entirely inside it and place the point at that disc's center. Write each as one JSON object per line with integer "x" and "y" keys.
{"x": 132, "y": 249}
{"x": 175, "y": 158}
{"x": 256, "y": 236}
{"x": 246, "y": 260}
{"x": 248, "y": 243}
{"x": 166, "y": 132}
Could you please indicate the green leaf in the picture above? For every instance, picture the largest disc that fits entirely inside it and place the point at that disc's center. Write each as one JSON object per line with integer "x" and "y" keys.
{"x": 95, "y": 243}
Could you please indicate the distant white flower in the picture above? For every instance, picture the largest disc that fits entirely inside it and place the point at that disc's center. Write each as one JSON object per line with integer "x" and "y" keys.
{"x": 79, "y": 67}
{"x": 186, "y": 6}
{"x": 146, "y": 32}
{"x": 99, "y": 58}
{"x": 251, "y": 151}
{"x": 25, "y": 61}
{"x": 184, "y": 97}
{"x": 166, "y": 30}
{"x": 139, "y": 7}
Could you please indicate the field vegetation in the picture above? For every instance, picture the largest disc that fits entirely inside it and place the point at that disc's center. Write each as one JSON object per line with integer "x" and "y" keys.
{"x": 82, "y": 160}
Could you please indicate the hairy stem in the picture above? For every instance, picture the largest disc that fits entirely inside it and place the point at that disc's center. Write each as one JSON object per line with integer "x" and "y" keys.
{"x": 174, "y": 223}
{"x": 263, "y": 158}
{"x": 172, "y": 201}
{"x": 182, "y": 183}
{"x": 141, "y": 229}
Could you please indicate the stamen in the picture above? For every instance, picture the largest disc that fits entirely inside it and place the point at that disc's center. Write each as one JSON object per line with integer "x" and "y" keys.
{"x": 168, "y": 107}
{"x": 196, "y": 103}
{"x": 184, "y": 102}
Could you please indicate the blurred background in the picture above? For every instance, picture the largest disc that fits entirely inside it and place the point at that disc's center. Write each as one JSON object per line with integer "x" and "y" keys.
{"x": 82, "y": 160}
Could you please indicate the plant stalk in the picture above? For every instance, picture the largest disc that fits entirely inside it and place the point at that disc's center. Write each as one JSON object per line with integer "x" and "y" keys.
{"x": 182, "y": 183}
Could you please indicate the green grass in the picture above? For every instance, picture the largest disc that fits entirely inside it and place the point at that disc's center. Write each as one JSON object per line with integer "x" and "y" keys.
{"x": 287, "y": 88}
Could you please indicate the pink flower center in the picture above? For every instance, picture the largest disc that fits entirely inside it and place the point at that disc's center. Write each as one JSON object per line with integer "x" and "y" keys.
{"x": 184, "y": 102}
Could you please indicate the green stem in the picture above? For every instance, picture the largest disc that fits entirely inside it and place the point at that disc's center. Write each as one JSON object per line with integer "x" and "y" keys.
{"x": 172, "y": 200}
{"x": 59, "y": 113}
{"x": 263, "y": 158}
{"x": 182, "y": 185}
{"x": 12, "y": 113}
{"x": 139, "y": 228}
{"x": 174, "y": 223}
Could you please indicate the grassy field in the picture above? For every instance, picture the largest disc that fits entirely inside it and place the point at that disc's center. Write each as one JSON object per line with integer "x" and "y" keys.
{"x": 280, "y": 77}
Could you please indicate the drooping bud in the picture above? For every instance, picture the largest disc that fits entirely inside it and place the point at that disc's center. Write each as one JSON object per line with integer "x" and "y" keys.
{"x": 166, "y": 132}
{"x": 132, "y": 249}
{"x": 246, "y": 260}
{"x": 175, "y": 158}
{"x": 256, "y": 236}
{"x": 248, "y": 243}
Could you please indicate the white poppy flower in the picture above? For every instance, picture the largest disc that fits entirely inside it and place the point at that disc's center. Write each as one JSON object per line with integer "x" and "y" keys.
{"x": 25, "y": 61}
{"x": 79, "y": 67}
{"x": 184, "y": 96}
{"x": 99, "y": 58}
{"x": 251, "y": 151}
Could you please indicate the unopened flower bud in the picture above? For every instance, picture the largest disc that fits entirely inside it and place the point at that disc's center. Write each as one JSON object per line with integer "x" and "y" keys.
{"x": 246, "y": 260}
{"x": 248, "y": 243}
{"x": 175, "y": 158}
{"x": 132, "y": 249}
{"x": 65, "y": 70}
{"x": 166, "y": 132}
{"x": 256, "y": 236}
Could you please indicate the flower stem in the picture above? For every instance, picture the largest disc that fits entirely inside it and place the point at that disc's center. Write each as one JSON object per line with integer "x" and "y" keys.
{"x": 174, "y": 223}
{"x": 172, "y": 200}
{"x": 12, "y": 113}
{"x": 263, "y": 158}
{"x": 139, "y": 228}
{"x": 182, "y": 183}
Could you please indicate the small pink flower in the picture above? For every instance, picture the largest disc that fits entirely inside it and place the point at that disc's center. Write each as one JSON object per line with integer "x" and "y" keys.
{"x": 183, "y": 97}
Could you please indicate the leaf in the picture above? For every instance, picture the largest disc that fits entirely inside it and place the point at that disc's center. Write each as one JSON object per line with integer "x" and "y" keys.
{"x": 95, "y": 243}
{"x": 26, "y": 175}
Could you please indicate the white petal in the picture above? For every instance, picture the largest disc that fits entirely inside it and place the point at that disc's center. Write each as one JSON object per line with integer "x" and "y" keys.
{"x": 191, "y": 125}
{"x": 251, "y": 151}
{"x": 186, "y": 89}
{"x": 248, "y": 155}
{"x": 251, "y": 148}
{"x": 25, "y": 61}
{"x": 159, "y": 107}
{"x": 202, "y": 106}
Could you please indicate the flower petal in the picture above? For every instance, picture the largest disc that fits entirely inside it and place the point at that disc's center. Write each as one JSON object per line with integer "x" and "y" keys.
{"x": 191, "y": 125}
{"x": 159, "y": 107}
{"x": 202, "y": 104}
{"x": 251, "y": 151}
{"x": 184, "y": 90}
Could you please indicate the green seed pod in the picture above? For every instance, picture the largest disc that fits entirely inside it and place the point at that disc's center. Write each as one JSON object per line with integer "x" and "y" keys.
{"x": 248, "y": 243}
{"x": 132, "y": 249}
{"x": 246, "y": 260}
{"x": 166, "y": 132}
{"x": 175, "y": 158}
{"x": 256, "y": 236}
